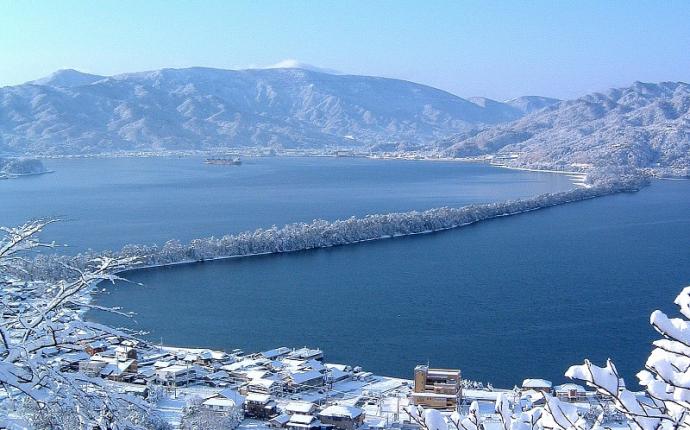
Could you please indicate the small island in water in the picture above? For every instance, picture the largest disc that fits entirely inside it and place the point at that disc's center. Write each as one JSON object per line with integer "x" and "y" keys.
{"x": 14, "y": 167}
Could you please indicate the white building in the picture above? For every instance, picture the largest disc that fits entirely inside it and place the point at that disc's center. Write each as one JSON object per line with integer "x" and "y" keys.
{"x": 175, "y": 375}
{"x": 220, "y": 404}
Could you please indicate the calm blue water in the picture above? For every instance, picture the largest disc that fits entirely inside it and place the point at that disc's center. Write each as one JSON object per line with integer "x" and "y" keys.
{"x": 511, "y": 298}
{"x": 517, "y": 297}
{"x": 108, "y": 203}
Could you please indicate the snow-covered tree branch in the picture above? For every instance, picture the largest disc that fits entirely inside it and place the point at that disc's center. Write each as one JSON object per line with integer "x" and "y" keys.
{"x": 666, "y": 376}
{"x": 39, "y": 320}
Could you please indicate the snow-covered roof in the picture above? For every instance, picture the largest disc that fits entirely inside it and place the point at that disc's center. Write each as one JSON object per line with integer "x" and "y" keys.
{"x": 207, "y": 354}
{"x": 258, "y": 398}
{"x": 243, "y": 364}
{"x": 255, "y": 374}
{"x": 305, "y": 353}
{"x": 273, "y": 353}
{"x": 220, "y": 374}
{"x": 146, "y": 372}
{"x": 220, "y": 401}
{"x": 570, "y": 387}
{"x": 293, "y": 362}
{"x": 302, "y": 377}
{"x": 98, "y": 344}
{"x": 175, "y": 368}
{"x": 342, "y": 411}
{"x": 233, "y": 395}
{"x": 302, "y": 419}
{"x": 314, "y": 365}
{"x": 341, "y": 367}
{"x": 281, "y": 419}
{"x": 265, "y": 383}
{"x": 117, "y": 368}
{"x": 276, "y": 365}
{"x": 335, "y": 374}
{"x": 300, "y": 407}
{"x": 536, "y": 383}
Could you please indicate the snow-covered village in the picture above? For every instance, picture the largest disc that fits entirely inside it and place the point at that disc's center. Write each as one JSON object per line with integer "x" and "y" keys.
{"x": 344, "y": 215}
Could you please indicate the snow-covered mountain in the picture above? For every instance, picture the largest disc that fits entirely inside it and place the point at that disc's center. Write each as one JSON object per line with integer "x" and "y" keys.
{"x": 67, "y": 78}
{"x": 512, "y": 109}
{"x": 644, "y": 125}
{"x": 200, "y": 108}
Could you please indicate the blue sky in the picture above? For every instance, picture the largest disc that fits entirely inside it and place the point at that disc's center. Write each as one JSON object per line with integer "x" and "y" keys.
{"x": 489, "y": 48}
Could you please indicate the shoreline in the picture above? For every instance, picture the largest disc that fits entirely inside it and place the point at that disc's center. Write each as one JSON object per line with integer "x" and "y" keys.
{"x": 331, "y": 153}
{"x": 189, "y": 154}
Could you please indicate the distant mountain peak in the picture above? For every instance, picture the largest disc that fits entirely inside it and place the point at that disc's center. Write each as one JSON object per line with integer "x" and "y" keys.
{"x": 67, "y": 78}
{"x": 529, "y": 104}
{"x": 291, "y": 63}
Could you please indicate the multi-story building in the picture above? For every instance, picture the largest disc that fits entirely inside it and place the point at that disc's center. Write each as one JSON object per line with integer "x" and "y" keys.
{"x": 437, "y": 388}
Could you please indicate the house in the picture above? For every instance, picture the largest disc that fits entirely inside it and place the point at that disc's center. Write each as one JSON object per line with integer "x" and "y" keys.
{"x": 217, "y": 379}
{"x": 93, "y": 348}
{"x": 277, "y": 353}
{"x": 312, "y": 364}
{"x": 92, "y": 368}
{"x": 176, "y": 375}
{"x": 264, "y": 386}
{"x": 304, "y": 408}
{"x": 303, "y": 422}
{"x": 159, "y": 364}
{"x": 306, "y": 354}
{"x": 276, "y": 366}
{"x": 537, "y": 385}
{"x": 107, "y": 367}
{"x": 147, "y": 373}
{"x": 570, "y": 392}
{"x": 125, "y": 351}
{"x": 133, "y": 389}
{"x": 334, "y": 375}
{"x": 120, "y": 370}
{"x": 341, "y": 367}
{"x": 437, "y": 388}
{"x": 71, "y": 360}
{"x": 342, "y": 417}
{"x": 206, "y": 357}
{"x": 252, "y": 374}
{"x": 299, "y": 381}
{"x": 279, "y": 421}
{"x": 259, "y": 406}
{"x": 233, "y": 395}
{"x": 219, "y": 404}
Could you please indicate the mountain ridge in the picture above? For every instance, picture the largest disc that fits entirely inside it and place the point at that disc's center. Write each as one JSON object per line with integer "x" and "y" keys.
{"x": 645, "y": 125}
{"x": 206, "y": 108}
